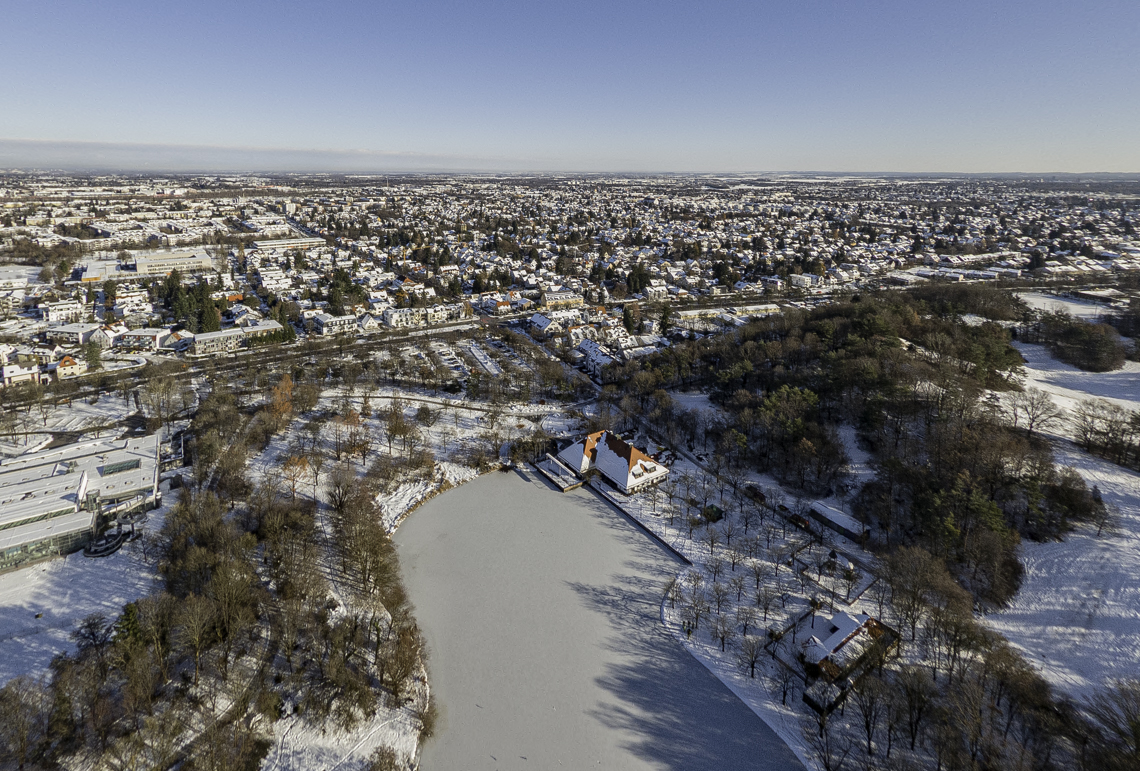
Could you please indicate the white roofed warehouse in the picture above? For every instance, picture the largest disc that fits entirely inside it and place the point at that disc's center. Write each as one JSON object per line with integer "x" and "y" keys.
{"x": 52, "y": 502}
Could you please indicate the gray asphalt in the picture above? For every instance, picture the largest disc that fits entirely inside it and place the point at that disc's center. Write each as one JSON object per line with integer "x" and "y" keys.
{"x": 542, "y": 615}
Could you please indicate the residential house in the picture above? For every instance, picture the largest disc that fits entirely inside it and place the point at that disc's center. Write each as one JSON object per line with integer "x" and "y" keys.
{"x": 70, "y": 367}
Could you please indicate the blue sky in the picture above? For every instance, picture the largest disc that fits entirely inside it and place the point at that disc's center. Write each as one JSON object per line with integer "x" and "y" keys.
{"x": 575, "y": 85}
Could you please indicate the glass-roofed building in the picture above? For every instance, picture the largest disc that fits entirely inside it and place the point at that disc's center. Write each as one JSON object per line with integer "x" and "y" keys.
{"x": 53, "y": 501}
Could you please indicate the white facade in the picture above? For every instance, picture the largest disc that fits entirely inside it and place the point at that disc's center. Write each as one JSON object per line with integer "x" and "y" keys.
{"x": 625, "y": 466}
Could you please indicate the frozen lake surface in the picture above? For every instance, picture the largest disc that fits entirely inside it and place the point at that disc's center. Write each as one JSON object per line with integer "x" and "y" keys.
{"x": 542, "y": 614}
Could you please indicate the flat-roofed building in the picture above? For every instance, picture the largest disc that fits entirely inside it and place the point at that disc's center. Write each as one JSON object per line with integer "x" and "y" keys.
{"x": 71, "y": 334}
{"x": 62, "y": 312}
{"x": 183, "y": 262}
{"x": 146, "y": 339}
{"x": 53, "y": 501}
{"x": 325, "y": 324}
{"x": 211, "y": 343}
{"x": 289, "y": 243}
{"x": 42, "y": 517}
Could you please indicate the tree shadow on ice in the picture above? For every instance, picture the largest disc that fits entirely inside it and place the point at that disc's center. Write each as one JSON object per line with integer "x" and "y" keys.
{"x": 672, "y": 710}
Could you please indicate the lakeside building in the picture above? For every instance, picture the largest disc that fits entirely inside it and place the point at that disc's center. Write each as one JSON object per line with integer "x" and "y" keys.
{"x": 52, "y": 502}
{"x": 622, "y": 464}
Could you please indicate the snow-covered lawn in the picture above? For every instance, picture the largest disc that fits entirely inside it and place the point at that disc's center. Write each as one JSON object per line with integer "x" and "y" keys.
{"x": 694, "y": 400}
{"x": 1082, "y": 309}
{"x": 1077, "y": 616}
{"x": 297, "y": 744}
{"x": 761, "y": 694}
{"x": 1068, "y": 385}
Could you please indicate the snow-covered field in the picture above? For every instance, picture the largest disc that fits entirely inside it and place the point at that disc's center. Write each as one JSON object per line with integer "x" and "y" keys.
{"x": 1082, "y": 309}
{"x": 80, "y": 417}
{"x": 301, "y": 745}
{"x": 694, "y": 400}
{"x": 1068, "y": 385}
{"x": 1077, "y": 615}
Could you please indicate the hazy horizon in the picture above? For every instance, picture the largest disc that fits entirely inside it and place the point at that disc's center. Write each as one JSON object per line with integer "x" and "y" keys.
{"x": 29, "y": 156}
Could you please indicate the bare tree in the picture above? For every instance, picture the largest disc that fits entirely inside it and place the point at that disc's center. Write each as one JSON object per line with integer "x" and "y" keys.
{"x": 786, "y": 681}
{"x": 829, "y": 746}
{"x": 745, "y": 617}
{"x": 340, "y": 487}
{"x": 720, "y": 594}
{"x": 723, "y": 629}
{"x": 728, "y": 530}
{"x": 25, "y": 711}
{"x": 294, "y": 469}
{"x": 696, "y": 607}
{"x": 716, "y": 567}
{"x": 765, "y": 598}
{"x": 748, "y": 517}
{"x": 711, "y": 539}
{"x": 1034, "y": 409}
{"x": 871, "y": 704}
{"x": 749, "y": 653}
{"x": 1116, "y": 710}
{"x": 917, "y": 696}
{"x": 736, "y": 585}
{"x": 759, "y": 571}
{"x": 196, "y": 627}
{"x": 734, "y": 558}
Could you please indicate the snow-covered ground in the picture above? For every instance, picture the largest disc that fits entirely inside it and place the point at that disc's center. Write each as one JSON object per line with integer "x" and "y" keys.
{"x": 297, "y": 745}
{"x": 63, "y": 592}
{"x": 859, "y": 470}
{"x": 301, "y": 745}
{"x": 1082, "y": 309}
{"x": 1077, "y": 616}
{"x": 80, "y": 417}
{"x": 760, "y": 694}
{"x": 1068, "y": 385}
{"x": 694, "y": 400}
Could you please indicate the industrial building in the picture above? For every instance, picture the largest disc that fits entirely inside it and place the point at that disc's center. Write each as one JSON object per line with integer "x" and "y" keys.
{"x": 52, "y": 502}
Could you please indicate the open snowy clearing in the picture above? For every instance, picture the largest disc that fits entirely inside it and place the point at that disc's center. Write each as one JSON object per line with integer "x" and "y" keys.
{"x": 1069, "y": 385}
{"x": 1082, "y": 309}
{"x": 1077, "y": 616}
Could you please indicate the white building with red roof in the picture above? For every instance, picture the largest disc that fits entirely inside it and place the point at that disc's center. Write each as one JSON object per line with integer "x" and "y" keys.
{"x": 625, "y": 466}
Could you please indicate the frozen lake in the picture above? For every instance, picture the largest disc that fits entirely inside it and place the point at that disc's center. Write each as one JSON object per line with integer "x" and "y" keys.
{"x": 542, "y": 613}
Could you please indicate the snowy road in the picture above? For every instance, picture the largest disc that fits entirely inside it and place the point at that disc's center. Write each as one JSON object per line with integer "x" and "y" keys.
{"x": 541, "y": 612}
